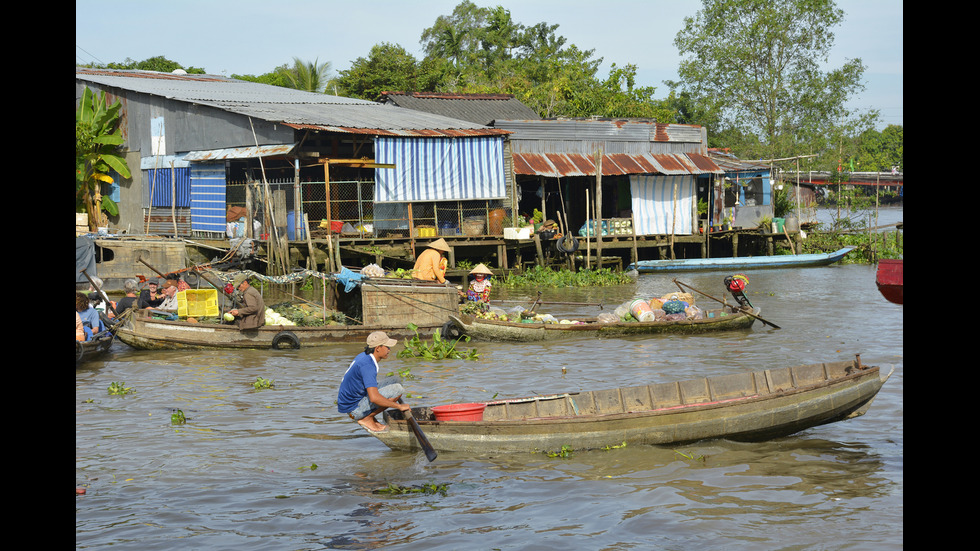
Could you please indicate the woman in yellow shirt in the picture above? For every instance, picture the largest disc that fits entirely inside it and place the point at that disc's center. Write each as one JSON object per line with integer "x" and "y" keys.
{"x": 430, "y": 265}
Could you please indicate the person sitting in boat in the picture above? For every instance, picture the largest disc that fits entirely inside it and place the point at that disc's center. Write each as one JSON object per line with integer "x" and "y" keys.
{"x": 361, "y": 396}
{"x": 479, "y": 289}
{"x": 251, "y": 315}
{"x": 150, "y": 297}
{"x": 429, "y": 265}
{"x": 169, "y": 303}
{"x": 176, "y": 280}
{"x": 130, "y": 287}
{"x": 91, "y": 324}
{"x": 79, "y": 328}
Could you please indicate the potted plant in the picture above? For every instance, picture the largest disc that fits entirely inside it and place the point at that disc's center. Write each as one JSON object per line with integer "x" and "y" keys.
{"x": 765, "y": 223}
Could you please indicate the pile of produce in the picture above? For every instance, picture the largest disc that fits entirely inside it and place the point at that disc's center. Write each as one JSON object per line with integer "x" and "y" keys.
{"x": 301, "y": 314}
{"x": 401, "y": 273}
{"x": 518, "y": 314}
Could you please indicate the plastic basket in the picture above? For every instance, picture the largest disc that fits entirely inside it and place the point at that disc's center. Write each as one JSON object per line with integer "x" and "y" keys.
{"x": 197, "y": 303}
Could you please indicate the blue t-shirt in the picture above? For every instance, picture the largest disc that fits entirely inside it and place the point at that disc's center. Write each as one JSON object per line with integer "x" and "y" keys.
{"x": 91, "y": 315}
{"x": 361, "y": 375}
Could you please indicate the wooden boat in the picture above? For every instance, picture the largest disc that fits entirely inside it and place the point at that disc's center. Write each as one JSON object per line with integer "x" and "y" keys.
{"x": 380, "y": 305}
{"x": 495, "y": 330}
{"x": 751, "y": 406}
{"x": 741, "y": 262}
{"x": 97, "y": 347}
{"x": 889, "y": 278}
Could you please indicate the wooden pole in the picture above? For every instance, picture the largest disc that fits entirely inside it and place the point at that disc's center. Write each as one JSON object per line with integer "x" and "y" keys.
{"x": 636, "y": 256}
{"x": 598, "y": 206}
{"x": 309, "y": 244}
{"x": 297, "y": 202}
{"x": 589, "y": 228}
{"x": 153, "y": 186}
{"x": 326, "y": 191}
{"x": 411, "y": 230}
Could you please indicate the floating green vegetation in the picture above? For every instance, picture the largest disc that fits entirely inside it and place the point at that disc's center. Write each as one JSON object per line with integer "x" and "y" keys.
{"x": 616, "y": 447}
{"x": 539, "y": 276}
{"x": 691, "y": 457}
{"x": 425, "y": 489}
{"x": 261, "y": 383}
{"x": 119, "y": 388}
{"x": 177, "y": 418}
{"x": 438, "y": 349}
{"x": 312, "y": 467}
{"x": 565, "y": 452}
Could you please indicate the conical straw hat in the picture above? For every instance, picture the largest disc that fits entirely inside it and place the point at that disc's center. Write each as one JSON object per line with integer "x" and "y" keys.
{"x": 440, "y": 245}
{"x": 481, "y": 269}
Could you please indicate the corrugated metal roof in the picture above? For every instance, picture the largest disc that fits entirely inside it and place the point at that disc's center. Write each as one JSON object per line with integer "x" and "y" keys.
{"x": 284, "y": 105}
{"x": 476, "y": 108}
{"x": 731, "y": 163}
{"x": 561, "y": 165}
{"x": 607, "y": 130}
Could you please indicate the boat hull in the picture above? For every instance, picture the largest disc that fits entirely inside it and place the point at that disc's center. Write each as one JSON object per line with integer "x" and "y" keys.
{"x": 744, "y": 407}
{"x": 741, "y": 263}
{"x": 92, "y": 349}
{"x": 492, "y": 330}
{"x": 889, "y": 278}
{"x": 146, "y": 333}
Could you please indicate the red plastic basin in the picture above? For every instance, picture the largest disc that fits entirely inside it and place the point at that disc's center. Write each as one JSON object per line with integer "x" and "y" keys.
{"x": 459, "y": 412}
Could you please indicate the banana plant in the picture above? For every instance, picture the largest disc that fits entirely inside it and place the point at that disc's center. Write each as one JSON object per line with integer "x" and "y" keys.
{"x": 97, "y": 141}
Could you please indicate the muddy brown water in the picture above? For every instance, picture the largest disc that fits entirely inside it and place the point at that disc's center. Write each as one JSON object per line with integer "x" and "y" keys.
{"x": 281, "y": 469}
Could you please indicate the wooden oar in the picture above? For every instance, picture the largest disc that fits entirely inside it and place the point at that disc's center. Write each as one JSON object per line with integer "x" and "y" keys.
{"x": 430, "y": 452}
{"x": 767, "y": 322}
{"x": 99, "y": 290}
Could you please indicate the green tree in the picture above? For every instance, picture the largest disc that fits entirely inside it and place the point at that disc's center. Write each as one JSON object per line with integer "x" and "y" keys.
{"x": 97, "y": 141}
{"x": 388, "y": 67}
{"x": 156, "y": 63}
{"x": 276, "y": 77}
{"x": 880, "y": 151}
{"x": 760, "y": 61}
{"x": 307, "y": 76}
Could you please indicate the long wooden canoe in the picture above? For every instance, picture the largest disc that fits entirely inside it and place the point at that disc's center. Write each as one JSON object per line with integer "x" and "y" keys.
{"x": 752, "y": 406}
{"x": 387, "y": 306}
{"x": 741, "y": 262}
{"x": 97, "y": 347}
{"x": 495, "y": 330}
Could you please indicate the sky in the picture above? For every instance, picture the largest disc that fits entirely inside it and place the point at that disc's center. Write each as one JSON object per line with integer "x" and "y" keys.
{"x": 253, "y": 37}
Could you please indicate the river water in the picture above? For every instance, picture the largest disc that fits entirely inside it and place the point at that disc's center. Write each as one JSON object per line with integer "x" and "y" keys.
{"x": 279, "y": 468}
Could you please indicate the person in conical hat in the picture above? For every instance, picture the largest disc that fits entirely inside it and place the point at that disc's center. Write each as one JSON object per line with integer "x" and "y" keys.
{"x": 431, "y": 265}
{"x": 479, "y": 290}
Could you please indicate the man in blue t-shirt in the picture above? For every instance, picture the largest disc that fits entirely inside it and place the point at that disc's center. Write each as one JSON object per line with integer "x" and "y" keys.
{"x": 361, "y": 396}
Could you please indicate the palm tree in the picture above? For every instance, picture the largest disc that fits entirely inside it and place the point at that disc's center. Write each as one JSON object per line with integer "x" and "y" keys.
{"x": 311, "y": 77}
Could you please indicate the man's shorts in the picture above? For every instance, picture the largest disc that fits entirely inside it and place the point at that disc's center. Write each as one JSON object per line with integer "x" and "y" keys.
{"x": 389, "y": 387}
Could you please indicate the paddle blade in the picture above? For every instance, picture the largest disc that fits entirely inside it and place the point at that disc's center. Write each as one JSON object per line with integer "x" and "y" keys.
{"x": 430, "y": 452}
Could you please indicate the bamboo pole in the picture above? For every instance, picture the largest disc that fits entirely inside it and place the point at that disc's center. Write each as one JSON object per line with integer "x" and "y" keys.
{"x": 153, "y": 186}
{"x": 598, "y": 206}
{"x": 173, "y": 197}
{"x": 589, "y": 228}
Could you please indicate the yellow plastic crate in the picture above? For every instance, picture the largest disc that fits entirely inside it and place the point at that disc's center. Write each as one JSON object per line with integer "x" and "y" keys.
{"x": 197, "y": 303}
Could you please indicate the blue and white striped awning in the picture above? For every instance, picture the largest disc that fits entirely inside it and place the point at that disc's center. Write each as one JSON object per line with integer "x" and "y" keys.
{"x": 439, "y": 169}
{"x": 663, "y": 204}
